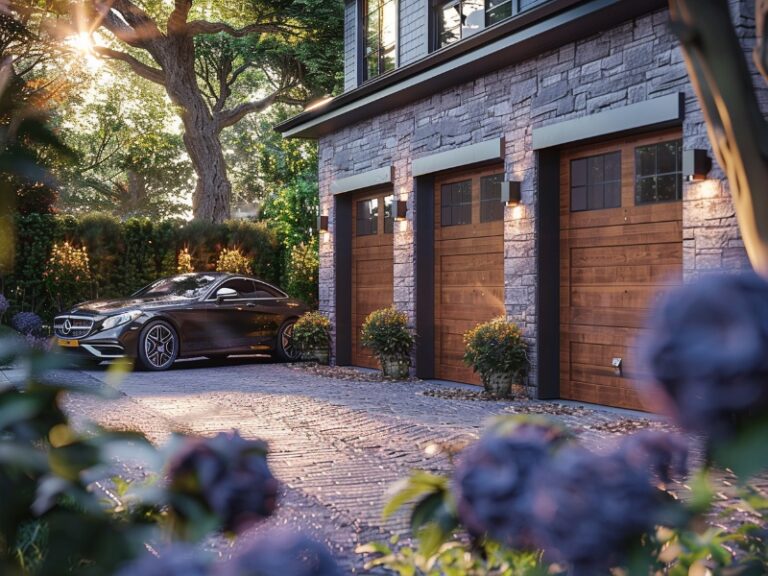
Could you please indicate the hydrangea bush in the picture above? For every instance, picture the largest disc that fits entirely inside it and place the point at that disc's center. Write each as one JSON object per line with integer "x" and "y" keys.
{"x": 27, "y": 323}
{"x": 233, "y": 261}
{"x": 56, "y": 522}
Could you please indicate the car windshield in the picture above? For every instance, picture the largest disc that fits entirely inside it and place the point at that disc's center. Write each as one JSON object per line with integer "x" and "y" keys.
{"x": 184, "y": 286}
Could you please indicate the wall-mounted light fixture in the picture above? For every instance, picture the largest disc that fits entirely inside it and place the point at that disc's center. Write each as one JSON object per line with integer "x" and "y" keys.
{"x": 696, "y": 165}
{"x": 510, "y": 192}
{"x": 322, "y": 223}
{"x": 401, "y": 209}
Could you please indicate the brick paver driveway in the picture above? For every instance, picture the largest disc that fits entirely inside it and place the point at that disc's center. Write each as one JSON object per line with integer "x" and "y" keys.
{"x": 335, "y": 445}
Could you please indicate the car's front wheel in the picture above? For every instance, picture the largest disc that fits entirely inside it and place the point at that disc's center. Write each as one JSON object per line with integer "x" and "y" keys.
{"x": 286, "y": 347}
{"x": 158, "y": 346}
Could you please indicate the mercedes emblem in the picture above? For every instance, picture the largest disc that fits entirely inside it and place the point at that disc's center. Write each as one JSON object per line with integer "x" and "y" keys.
{"x": 67, "y": 327}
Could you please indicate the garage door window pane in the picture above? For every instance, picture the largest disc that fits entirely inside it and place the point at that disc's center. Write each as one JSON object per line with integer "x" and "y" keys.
{"x": 491, "y": 208}
{"x": 389, "y": 217}
{"x": 596, "y": 182}
{"x": 367, "y": 217}
{"x": 658, "y": 172}
{"x": 456, "y": 203}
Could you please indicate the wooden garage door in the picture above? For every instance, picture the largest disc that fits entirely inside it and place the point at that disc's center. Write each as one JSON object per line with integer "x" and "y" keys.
{"x": 621, "y": 248}
{"x": 469, "y": 263}
{"x": 372, "y": 221}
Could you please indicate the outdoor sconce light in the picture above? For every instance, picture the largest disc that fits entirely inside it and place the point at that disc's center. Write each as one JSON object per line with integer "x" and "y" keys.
{"x": 510, "y": 192}
{"x": 696, "y": 165}
{"x": 401, "y": 209}
{"x": 322, "y": 223}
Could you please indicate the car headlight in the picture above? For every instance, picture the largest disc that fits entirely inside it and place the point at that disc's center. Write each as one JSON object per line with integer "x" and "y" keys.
{"x": 121, "y": 319}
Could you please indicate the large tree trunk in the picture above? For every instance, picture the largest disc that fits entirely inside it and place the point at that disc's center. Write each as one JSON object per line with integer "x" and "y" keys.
{"x": 211, "y": 199}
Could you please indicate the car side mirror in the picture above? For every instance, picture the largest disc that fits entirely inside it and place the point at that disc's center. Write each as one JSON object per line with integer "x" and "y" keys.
{"x": 225, "y": 294}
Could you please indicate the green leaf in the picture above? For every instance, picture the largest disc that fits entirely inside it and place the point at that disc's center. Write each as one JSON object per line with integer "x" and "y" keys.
{"x": 418, "y": 484}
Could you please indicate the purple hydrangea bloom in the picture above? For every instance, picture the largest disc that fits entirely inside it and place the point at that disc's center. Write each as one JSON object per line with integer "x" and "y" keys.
{"x": 177, "y": 560}
{"x": 664, "y": 454}
{"x": 27, "y": 323}
{"x": 591, "y": 509}
{"x": 708, "y": 353}
{"x": 4, "y": 304}
{"x": 492, "y": 481}
{"x": 228, "y": 476}
{"x": 280, "y": 553}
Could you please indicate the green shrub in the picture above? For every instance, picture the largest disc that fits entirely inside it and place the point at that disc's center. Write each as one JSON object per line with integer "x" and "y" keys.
{"x": 312, "y": 332}
{"x": 233, "y": 261}
{"x": 184, "y": 262}
{"x": 68, "y": 276}
{"x": 302, "y": 271}
{"x": 496, "y": 347}
{"x": 386, "y": 333}
{"x": 125, "y": 256}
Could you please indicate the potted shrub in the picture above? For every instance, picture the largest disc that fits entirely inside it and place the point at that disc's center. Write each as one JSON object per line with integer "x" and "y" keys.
{"x": 497, "y": 351}
{"x": 386, "y": 333}
{"x": 311, "y": 335}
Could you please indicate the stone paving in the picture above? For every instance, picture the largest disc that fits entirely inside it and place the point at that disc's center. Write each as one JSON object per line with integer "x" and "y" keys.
{"x": 335, "y": 445}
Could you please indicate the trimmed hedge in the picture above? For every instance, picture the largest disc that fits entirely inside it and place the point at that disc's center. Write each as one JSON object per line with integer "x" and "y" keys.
{"x": 124, "y": 256}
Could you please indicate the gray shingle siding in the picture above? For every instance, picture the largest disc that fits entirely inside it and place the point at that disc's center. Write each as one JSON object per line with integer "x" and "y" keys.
{"x": 350, "y": 45}
{"x": 414, "y": 34}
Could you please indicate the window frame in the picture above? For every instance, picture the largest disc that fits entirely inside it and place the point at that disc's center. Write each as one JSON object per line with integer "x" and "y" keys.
{"x": 435, "y": 8}
{"x": 588, "y": 183}
{"x": 362, "y": 42}
{"x": 657, "y": 174}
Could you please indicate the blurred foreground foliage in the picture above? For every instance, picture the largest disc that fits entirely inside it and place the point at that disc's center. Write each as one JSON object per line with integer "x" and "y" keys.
{"x": 527, "y": 500}
{"x": 69, "y": 514}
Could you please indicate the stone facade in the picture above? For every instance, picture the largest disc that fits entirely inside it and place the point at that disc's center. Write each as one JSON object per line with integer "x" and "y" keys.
{"x": 636, "y": 61}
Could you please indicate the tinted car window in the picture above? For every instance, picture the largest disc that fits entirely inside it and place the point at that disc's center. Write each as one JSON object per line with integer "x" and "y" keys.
{"x": 184, "y": 286}
{"x": 264, "y": 291}
{"x": 243, "y": 287}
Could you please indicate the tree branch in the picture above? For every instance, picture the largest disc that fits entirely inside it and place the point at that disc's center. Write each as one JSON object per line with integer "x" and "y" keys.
{"x": 230, "y": 117}
{"x": 177, "y": 21}
{"x": 153, "y": 74}
{"x": 736, "y": 126}
{"x": 198, "y": 27}
{"x": 133, "y": 26}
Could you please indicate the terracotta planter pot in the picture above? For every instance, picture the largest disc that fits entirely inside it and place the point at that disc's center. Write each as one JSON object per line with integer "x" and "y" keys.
{"x": 395, "y": 367}
{"x": 498, "y": 384}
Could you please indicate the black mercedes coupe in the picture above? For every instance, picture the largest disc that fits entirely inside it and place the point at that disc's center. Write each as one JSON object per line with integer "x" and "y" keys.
{"x": 208, "y": 314}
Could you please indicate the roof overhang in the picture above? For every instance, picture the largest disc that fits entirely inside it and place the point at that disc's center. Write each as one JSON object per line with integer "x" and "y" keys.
{"x": 549, "y": 26}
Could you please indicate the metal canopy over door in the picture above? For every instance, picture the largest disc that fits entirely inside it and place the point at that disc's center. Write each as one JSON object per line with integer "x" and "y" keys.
{"x": 621, "y": 248}
{"x": 372, "y": 278}
{"x": 469, "y": 263}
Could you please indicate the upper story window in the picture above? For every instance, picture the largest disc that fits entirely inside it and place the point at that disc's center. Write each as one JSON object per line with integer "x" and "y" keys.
{"x": 458, "y": 19}
{"x": 380, "y": 50}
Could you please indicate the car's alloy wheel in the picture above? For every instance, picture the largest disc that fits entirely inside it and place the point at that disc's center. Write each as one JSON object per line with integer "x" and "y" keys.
{"x": 158, "y": 346}
{"x": 286, "y": 347}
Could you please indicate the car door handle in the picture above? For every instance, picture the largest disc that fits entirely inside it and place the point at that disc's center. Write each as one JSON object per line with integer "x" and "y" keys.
{"x": 250, "y": 305}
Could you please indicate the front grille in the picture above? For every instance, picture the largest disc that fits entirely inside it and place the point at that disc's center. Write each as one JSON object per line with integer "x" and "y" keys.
{"x": 72, "y": 327}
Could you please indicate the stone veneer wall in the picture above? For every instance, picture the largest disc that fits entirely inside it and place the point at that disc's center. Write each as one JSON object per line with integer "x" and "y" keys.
{"x": 633, "y": 62}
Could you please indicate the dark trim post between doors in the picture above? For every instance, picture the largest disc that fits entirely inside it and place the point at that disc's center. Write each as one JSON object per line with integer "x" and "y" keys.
{"x": 548, "y": 265}
{"x": 424, "y": 188}
{"x": 342, "y": 230}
